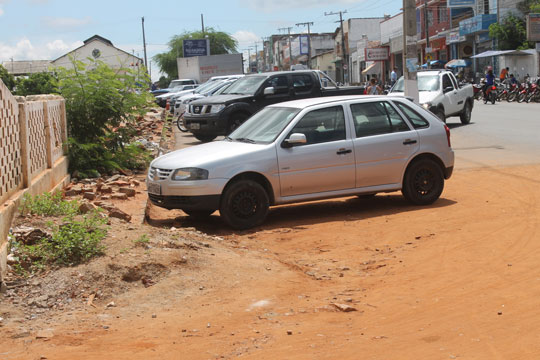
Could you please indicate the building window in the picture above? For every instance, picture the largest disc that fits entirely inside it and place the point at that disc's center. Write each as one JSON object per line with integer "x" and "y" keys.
{"x": 430, "y": 18}
{"x": 443, "y": 14}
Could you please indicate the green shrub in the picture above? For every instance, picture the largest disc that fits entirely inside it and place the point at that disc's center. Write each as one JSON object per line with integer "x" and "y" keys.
{"x": 48, "y": 204}
{"x": 143, "y": 240}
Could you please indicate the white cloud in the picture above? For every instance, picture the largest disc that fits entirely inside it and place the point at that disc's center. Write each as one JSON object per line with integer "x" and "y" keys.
{"x": 277, "y": 5}
{"x": 245, "y": 38}
{"x": 65, "y": 23}
{"x": 25, "y": 50}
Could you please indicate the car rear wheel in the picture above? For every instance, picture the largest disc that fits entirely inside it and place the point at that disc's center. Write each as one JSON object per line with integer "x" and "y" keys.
{"x": 204, "y": 138}
{"x": 244, "y": 204}
{"x": 199, "y": 214}
{"x": 235, "y": 121}
{"x": 465, "y": 116}
{"x": 423, "y": 183}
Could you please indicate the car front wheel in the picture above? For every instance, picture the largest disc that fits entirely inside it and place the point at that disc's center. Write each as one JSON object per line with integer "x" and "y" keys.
{"x": 244, "y": 204}
{"x": 423, "y": 183}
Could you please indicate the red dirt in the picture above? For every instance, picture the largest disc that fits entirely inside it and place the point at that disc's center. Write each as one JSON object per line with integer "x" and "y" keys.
{"x": 458, "y": 279}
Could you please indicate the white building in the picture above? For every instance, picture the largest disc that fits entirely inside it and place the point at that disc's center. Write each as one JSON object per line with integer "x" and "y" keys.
{"x": 99, "y": 48}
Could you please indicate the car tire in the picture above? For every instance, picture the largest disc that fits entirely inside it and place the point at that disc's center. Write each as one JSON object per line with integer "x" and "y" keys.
{"x": 423, "y": 182}
{"x": 199, "y": 214}
{"x": 235, "y": 121}
{"x": 465, "y": 115}
{"x": 204, "y": 138}
{"x": 440, "y": 114}
{"x": 244, "y": 204}
{"x": 181, "y": 125}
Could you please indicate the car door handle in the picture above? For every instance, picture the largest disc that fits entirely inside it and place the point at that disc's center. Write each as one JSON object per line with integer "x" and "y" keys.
{"x": 344, "y": 151}
{"x": 409, "y": 142}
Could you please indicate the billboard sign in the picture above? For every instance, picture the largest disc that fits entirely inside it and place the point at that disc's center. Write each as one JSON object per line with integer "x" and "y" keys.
{"x": 304, "y": 45}
{"x": 461, "y": 3}
{"x": 378, "y": 53}
{"x": 196, "y": 47}
{"x": 533, "y": 27}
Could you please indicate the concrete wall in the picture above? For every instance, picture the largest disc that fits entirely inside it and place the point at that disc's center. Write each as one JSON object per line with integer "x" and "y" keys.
{"x": 33, "y": 135}
{"x": 355, "y": 28}
{"x": 391, "y": 28}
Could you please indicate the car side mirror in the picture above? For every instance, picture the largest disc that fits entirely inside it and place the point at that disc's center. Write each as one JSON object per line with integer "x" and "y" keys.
{"x": 295, "y": 139}
{"x": 269, "y": 91}
{"x": 448, "y": 89}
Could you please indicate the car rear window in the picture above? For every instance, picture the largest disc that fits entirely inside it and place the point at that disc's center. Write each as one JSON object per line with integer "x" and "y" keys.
{"x": 417, "y": 121}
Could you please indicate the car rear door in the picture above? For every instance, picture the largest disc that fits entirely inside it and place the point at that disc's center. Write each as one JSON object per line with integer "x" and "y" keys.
{"x": 383, "y": 143}
{"x": 325, "y": 162}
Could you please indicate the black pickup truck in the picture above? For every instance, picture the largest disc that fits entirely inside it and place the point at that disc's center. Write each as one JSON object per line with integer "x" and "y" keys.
{"x": 220, "y": 114}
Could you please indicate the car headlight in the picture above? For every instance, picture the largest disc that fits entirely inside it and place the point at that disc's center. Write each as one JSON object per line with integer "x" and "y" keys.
{"x": 190, "y": 174}
{"x": 217, "y": 108}
{"x": 426, "y": 105}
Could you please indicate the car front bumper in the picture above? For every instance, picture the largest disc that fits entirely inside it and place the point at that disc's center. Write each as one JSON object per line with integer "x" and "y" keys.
{"x": 207, "y": 124}
{"x": 193, "y": 195}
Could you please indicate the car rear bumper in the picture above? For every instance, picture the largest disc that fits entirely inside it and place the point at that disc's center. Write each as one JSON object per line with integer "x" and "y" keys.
{"x": 448, "y": 172}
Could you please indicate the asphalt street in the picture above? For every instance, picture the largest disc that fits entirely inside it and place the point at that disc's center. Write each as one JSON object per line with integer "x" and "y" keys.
{"x": 503, "y": 134}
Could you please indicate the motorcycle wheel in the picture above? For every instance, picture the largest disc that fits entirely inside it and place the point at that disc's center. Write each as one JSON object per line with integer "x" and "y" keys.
{"x": 493, "y": 98}
{"x": 503, "y": 96}
{"x": 511, "y": 97}
{"x": 180, "y": 124}
{"x": 521, "y": 98}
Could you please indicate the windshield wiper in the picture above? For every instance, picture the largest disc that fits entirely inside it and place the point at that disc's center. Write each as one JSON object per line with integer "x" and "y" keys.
{"x": 245, "y": 140}
{"x": 228, "y": 138}
{"x": 235, "y": 93}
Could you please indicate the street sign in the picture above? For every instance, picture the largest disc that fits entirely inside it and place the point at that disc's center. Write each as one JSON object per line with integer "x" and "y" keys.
{"x": 378, "y": 53}
{"x": 345, "y": 67}
{"x": 428, "y": 57}
{"x": 533, "y": 27}
{"x": 196, "y": 47}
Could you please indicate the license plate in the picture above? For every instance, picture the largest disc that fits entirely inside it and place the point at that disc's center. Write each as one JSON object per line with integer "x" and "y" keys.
{"x": 195, "y": 126}
{"x": 154, "y": 188}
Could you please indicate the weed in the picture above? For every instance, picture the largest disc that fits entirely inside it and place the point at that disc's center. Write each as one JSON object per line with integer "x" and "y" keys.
{"x": 48, "y": 204}
{"x": 143, "y": 240}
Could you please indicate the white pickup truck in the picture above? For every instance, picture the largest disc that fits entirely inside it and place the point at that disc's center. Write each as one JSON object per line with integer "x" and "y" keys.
{"x": 441, "y": 93}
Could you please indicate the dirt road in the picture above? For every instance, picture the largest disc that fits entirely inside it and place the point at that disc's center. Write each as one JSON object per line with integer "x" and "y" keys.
{"x": 456, "y": 280}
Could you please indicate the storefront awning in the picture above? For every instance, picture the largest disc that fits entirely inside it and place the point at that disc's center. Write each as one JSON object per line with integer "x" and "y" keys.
{"x": 491, "y": 53}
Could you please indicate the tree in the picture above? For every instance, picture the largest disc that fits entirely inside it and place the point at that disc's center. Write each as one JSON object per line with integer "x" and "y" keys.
{"x": 511, "y": 33}
{"x": 37, "y": 83}
{"x": 7, "y": 78}
{"x": 220, "y": 43}
{"x": 102, "y": 104}
{"x": 529, "y": 6}
{"x": 163, "y": 82}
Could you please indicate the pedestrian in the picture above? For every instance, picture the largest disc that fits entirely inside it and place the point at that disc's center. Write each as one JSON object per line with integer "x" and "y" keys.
{"x": 393, "y": 76}
{"x": 374, "y": 88}
{"x": 504, "y": 73}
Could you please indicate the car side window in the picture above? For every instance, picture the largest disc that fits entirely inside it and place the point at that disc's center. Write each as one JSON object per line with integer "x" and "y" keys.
{"x": 416, "y": 120}
{"x": 376, "y": 118}
{"x": 446, "y": 82}
{"x": 279, "y": 83}
{"x": 322, "y": 125}
{"x": 302, "y": 83}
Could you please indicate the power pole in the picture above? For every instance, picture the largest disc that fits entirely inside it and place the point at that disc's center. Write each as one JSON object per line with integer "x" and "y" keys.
{"x": 264, "y": 54}
{"x": 144, "y": 44}
{"x": 256, "y": 59}
{"x": 426, "y": 26}
{"x": 344, "y": 61}
{"x": 308, "y": 41}
{"x": 410, "y": 56}
{"x": 290, "y": 47}
{"x": 202, "y": 24}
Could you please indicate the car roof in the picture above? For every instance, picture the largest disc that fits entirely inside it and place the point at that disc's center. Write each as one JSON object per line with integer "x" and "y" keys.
{"x": 304, "y": 103}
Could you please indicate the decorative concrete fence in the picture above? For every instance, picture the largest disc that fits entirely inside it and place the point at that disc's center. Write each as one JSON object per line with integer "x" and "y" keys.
{"x": 33, "y": 136}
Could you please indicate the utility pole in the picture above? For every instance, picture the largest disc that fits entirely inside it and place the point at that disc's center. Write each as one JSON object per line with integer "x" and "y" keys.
{"x": 202, "y": 24}
{"x": 344, "y": 61}
{"x": 290, "y": 47}
{"x": 264, "y": 54}
{"x": 308, "y": 41}
{"x": 426, "y": 27}
{"x": 410, "y": 56}
{"x": 144, "y": 44}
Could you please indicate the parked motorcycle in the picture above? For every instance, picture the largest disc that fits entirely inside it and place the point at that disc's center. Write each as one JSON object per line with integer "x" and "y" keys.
{"x": 534, "y": 93}
{"x": 523, "y": 93}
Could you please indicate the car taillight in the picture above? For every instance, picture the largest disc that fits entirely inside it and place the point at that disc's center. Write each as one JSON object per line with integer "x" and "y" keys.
{"x": 447, "y": 129}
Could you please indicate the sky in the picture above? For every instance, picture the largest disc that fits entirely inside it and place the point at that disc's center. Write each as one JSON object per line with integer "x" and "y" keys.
{"x": 47, "y": 29}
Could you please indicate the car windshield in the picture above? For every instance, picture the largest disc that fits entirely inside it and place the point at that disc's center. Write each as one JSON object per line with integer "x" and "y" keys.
{"x": 264, "y": 126}
{"x": 208, "y": 87}
{"x": 245, "y": 86}
{"x": 425, "y": 83}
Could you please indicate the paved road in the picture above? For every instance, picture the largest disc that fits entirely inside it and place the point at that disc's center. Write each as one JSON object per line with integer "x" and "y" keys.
{"x": 499, "y": 135}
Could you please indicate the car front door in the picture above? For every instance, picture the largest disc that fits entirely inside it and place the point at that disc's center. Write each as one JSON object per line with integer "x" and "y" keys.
{"x": 280, "y": 84}
{"x": 450, "y": 95}
{"x": 383, "y": 145}
{"x": 325, "y": 162}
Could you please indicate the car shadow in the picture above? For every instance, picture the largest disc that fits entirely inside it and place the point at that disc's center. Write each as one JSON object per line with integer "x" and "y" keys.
{"x": 457, "y": 125}
{"x": 302, "y": 214}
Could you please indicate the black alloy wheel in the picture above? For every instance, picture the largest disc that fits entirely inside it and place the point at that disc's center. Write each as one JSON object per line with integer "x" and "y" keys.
{"x": 244, "y": 204}
{"x": 423, "y": 183}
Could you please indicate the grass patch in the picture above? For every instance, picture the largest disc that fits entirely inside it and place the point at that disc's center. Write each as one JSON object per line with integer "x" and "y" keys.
{"x": 143, "y": 240}
{"x": 48, "y": 204}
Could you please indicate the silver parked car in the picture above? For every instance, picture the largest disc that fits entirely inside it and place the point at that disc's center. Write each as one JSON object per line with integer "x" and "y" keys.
{"x": 305, "y": 150}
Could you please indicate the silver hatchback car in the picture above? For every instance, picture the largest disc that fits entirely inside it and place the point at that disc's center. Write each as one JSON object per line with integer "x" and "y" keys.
{"x": 306, "y": 150}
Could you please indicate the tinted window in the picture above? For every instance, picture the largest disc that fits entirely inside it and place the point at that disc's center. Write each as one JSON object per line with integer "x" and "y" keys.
{"x": 416, "y": 120}
{"x": 302, "y": 82}
{"x": 376, "y": 118}
{"x": 446, "y": 82}
{"x": 322, "y": 125}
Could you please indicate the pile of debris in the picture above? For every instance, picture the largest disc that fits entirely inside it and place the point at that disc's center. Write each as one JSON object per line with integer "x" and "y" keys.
{"x": 96, "y": 192}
